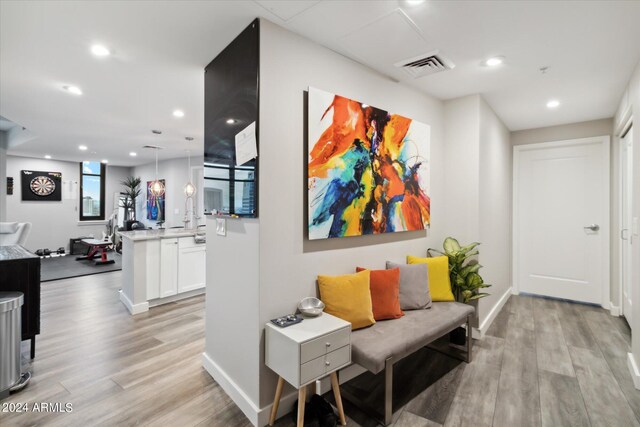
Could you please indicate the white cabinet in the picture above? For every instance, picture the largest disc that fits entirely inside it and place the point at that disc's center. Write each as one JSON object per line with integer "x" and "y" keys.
{"x": 168, "y": 267}
{"x": 191, "y": 264}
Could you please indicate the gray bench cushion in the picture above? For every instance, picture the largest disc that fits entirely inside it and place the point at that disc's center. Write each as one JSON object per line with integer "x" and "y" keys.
{"x": 397, "y": 338}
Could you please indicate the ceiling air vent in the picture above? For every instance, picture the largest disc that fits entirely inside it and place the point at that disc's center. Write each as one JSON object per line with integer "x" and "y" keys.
{"x": 423, "y": 65}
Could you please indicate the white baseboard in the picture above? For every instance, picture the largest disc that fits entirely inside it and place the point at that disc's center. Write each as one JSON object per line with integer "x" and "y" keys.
{"x": 239, "y": 397}
{"x": 633, "y": 369}
{"x": 486, "y": 324}
{"x": 133, "y": 308}
{"x": 614, "y": 310}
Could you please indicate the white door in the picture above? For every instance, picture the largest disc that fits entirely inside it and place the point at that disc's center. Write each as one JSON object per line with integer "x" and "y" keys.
{"x": 561, "y": 219}
{"x": 626, "y": 163}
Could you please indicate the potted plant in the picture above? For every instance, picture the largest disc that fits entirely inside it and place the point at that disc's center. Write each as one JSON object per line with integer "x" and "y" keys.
{"x": 132, "y": 191}
{"x": 466, "y": 283}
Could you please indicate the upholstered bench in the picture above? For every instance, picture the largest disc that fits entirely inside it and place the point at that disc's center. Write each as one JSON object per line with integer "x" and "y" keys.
{"x": 379, "y": 346}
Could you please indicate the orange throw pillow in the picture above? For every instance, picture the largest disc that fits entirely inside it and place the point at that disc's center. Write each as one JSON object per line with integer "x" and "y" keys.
{"x": 385, "y": 291}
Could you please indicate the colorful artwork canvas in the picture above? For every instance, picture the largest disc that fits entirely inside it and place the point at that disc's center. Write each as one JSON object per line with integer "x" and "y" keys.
{"x": 368, "y": 169}
{"x": 155, "y": 204}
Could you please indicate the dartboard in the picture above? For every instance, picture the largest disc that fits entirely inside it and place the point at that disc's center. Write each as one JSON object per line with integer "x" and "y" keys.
{"x": 42, "y": 186}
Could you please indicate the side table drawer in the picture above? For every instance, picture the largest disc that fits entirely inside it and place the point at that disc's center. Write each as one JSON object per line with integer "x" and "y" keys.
{"x": 323, "y": 345}
{"x": 322, "y": 365}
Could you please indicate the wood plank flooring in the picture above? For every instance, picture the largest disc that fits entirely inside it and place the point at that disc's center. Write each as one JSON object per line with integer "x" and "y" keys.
{"x": 542, "y": 363}
{"x": 119, "y": 370}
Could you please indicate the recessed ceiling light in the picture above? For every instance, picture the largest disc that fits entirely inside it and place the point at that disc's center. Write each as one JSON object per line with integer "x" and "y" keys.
{"x": 230, "y": 121}
{"x": 494, "y": 61}
{"x": 178, "y": 113}
{"x": 105, "y": 161}
{"x": 554, "y": 103}
{"x": 73, "y": 89}
{"x": 414, "y": 2}
{"x": 47, "y": 156}
{"x": 100, "y": 50}
{"x": 82, "y": 147}
{"x": 133, "y": 154}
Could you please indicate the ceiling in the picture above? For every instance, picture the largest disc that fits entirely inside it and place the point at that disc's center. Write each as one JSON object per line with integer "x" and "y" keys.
{"x": 160, "y": 50}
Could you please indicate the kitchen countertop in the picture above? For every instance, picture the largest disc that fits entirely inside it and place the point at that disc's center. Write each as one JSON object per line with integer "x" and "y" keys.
{"x": 169, "y": 233}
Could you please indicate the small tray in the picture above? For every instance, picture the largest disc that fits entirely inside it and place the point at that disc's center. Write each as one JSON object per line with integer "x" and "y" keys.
{"x": 288, "y": 320}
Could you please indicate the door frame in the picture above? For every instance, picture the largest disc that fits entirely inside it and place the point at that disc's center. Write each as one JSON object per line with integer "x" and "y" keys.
{"x": 623, "y": 127}
{"x": 605, "y": 143}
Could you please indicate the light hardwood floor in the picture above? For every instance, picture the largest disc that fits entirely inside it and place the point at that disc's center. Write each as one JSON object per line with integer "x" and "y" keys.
{"x": 542, "y": 363}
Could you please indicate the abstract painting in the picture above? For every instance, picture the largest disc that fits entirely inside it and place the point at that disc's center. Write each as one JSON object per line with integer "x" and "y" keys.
{"x": 41, "y": 186}
{"x": 155, "y": 204}
{"x": 368, "y": 169}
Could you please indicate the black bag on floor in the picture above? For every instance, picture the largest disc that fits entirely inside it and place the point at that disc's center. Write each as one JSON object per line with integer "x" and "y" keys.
{"x": 317, "y": 413}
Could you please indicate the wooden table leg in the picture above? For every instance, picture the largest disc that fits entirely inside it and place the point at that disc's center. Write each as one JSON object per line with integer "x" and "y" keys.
{"x": 302, "y": 397}
{"x": 335, "y": 385}
{"x": 276, "y": 401}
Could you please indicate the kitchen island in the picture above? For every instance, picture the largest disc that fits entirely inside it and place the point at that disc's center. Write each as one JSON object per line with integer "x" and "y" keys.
{"x": 161, "y": 266}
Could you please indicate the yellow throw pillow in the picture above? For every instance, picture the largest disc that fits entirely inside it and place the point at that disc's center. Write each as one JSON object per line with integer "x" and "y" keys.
{"x": 439, "y": 282}
{"x": 348, "y": 297}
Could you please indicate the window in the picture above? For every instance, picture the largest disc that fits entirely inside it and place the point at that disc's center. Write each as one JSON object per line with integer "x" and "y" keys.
{"x": 92, "y": 191}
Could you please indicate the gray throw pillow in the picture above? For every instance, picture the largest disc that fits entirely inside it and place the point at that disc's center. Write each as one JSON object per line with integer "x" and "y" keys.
{"x": 414, "y": 285}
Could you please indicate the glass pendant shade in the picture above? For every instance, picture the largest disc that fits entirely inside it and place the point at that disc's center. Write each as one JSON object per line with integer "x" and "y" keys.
{"x": 189, "y": 189}
{"x": 157, "y": 188}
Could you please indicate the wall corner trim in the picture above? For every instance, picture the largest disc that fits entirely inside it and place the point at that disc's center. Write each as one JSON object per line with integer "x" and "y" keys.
{"x": 486, "y": 324}
{"x": 614, "y": 310}
{"x": 633, "y": 369}
{"x": 236, "y": 394}
{"x": 133, "y": 308}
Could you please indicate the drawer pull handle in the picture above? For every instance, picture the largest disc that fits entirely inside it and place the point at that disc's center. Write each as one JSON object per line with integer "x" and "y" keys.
{"x": 327, "y": 363}
{"x": 328, "y": 344}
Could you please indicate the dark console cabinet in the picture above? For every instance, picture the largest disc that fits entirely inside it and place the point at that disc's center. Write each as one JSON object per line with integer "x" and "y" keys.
{"x": 20, "y": 271}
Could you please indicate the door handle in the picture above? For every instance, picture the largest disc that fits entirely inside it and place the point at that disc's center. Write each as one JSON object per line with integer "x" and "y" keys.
{"x": 622, "y": 234}
{"x": 592, "y": 227}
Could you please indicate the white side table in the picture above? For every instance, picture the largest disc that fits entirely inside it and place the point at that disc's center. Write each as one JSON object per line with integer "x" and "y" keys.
{"x": 305, "y": 352}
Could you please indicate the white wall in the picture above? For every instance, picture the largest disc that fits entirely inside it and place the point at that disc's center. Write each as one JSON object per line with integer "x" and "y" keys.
{"x": 175, "y": 173}
{"x": 631, "y": 100}
{"x": 496, "y": 170}
{"x": 54, "y": 223}
{"x": 478, "y": 161}
{"x": 3, "y": 175}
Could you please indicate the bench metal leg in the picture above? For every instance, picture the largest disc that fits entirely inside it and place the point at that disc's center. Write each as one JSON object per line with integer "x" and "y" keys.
{"x": 388, "y": 391}
{"x": 469, "y": 339}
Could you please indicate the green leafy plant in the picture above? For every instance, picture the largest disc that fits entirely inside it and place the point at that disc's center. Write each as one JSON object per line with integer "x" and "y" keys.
{"x": 132, "y": 191}
{"x": 466, "y": 282}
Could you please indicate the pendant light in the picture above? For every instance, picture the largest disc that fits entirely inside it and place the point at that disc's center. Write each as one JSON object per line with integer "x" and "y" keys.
{"x": 157, "y": 187}
{"x": 189, "y": 188}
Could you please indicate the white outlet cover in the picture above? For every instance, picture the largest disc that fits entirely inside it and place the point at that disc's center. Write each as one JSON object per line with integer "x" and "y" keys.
{"x": 221, "y": 226}
{"x": 176, "y": 211}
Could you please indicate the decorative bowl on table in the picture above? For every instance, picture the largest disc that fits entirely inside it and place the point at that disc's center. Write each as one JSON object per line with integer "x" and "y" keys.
{"x": 311, "y": 307}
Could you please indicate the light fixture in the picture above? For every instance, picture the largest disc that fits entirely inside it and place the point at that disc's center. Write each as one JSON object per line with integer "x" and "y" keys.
{"x": 178, "y": 113}
{"x": 82, "y": 147}
{"x": 73, "y": 89}
{"x": 104, "y": 161}
{"x": 157, "y": 187}
{"x": 46, "y": 156}
{"x": 100, "y": 50}
{"x": 414, "y": 2}
{"x": 554, "y": 103}
{"x": 133, "y": 154}
{"x": 230, "y": 121}
{"x": 494, "y": 61}
{"x": 189, "y": 188}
